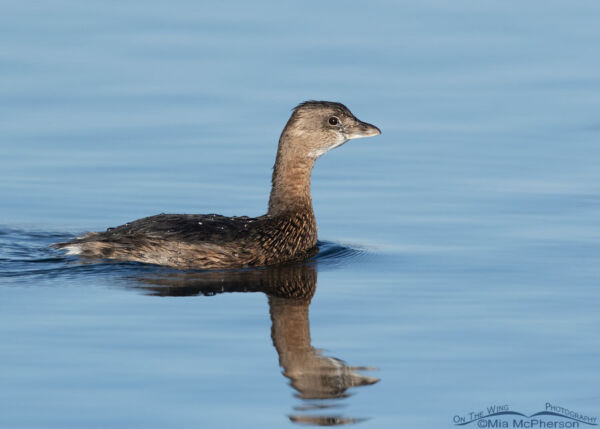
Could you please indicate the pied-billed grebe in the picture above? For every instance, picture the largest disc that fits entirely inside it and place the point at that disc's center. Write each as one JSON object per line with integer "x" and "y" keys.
{"x": 288, "y": 230}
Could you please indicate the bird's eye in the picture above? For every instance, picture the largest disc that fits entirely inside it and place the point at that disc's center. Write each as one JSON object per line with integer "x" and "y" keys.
{"x": 333, "y": 120}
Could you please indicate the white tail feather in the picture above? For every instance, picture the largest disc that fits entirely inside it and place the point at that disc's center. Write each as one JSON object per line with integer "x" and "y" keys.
{"x": 73, "y": 249}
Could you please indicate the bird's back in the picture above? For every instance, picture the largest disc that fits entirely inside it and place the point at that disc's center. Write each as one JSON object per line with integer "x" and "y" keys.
{"x": 188, "y": 228}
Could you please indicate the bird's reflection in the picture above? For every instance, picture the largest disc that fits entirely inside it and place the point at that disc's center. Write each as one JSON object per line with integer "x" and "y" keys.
{"x": 320, "y": 381}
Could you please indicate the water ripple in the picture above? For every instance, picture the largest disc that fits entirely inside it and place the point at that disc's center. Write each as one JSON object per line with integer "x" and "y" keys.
{"x": 24, "y": 254}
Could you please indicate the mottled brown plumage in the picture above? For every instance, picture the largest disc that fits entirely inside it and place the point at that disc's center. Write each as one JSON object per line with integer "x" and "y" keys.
{"x": 288, "y": 231}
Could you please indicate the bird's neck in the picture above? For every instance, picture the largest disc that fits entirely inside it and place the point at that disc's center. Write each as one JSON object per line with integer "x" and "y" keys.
{"x": 291, "y": 178}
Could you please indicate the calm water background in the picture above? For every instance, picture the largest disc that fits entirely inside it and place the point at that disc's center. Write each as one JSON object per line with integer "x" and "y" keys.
{"x": 470, "y": 271}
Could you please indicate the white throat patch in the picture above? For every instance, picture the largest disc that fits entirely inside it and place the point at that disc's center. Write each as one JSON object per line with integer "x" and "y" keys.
{"x": 318, "y": 152}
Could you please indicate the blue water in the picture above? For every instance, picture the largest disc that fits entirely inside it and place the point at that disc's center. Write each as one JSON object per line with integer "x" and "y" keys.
{"x": 459, "y": 255}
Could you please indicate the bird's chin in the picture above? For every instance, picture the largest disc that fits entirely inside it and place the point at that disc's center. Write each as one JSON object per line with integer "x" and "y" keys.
{"x": 323, "y": 150}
